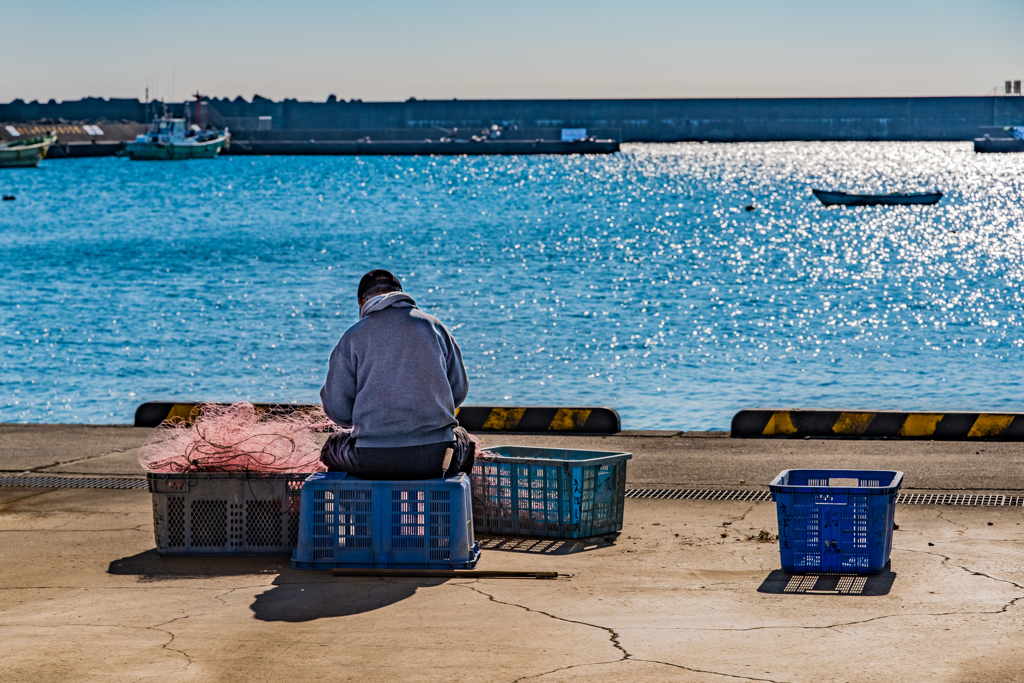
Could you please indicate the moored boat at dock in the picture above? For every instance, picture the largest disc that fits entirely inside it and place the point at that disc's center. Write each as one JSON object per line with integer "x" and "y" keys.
{"x": 25, "y": 153}
{"x": 999, "y": 139}
{"x": 170, "y": 139}
{"x": 830, "y": 198}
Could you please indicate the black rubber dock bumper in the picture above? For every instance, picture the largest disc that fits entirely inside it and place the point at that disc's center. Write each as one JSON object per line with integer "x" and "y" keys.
{"x": 416, "y": 147}
{"x": 936, "y": 426}
{"x": 595, "y": 420}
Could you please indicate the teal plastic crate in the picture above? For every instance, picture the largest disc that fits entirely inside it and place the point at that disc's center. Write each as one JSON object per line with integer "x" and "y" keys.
{"x": 349, "y": 522}
{"x": 550, "y": 492}
{"x": 836, "y": 521}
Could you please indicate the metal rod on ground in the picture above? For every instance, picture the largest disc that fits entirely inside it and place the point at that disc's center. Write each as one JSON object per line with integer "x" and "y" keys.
{"x": 449, "y": 573}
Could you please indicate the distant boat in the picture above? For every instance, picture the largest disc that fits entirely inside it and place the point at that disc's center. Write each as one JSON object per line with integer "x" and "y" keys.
{"x": 843, "y": 199}
{"x": 25, "y": 153}
{"x": 170, "y": 139}
{"x": 999, "y": 139}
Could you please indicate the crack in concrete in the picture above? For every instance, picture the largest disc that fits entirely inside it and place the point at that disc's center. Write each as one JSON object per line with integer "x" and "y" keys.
{"x": 842, "y": 624}
{"x": 809, "y": 628}
{"x": 219, "y": 597}
{"x": 744, "y": 516}
{"x": 3, "y": 508}
{"x": 951, "y": 541}
{"x": 70, "y": 462}
{"x": 946, "y": 558}
{"x": 565, "y": 668}
{"x": 706, "y": 671}
{"x": 961, "y": 528}
{"x": 167, "y": 645}
{"x": 993, "y": 578}
{"x": 647, "y": 661}
{"x": 613, "y": 638}
{"x": 71, "y": 625}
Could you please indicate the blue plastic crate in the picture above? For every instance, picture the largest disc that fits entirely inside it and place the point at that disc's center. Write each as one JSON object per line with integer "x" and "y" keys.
{"x": 349, "y": 522}
{"x": 835, "y": 520}
{"x": 549, "y": 492}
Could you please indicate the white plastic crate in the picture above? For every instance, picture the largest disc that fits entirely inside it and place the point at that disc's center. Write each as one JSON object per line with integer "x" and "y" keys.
{"x": 221, "y": 513}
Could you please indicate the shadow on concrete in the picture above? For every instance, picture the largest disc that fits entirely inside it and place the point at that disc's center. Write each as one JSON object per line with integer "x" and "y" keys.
{"x": 781, "y": 583}
{"x": 150, "y": 566}
{"x": 545, "y": 546}
{"x": 296, "y": 595}
{"x": 299, "y": 596}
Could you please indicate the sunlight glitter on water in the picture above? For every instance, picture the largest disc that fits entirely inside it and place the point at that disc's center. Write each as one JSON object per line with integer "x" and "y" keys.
{"x": 636, "y": 280}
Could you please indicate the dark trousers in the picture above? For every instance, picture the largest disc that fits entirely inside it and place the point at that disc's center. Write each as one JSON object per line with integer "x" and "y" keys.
{"x": 341, "y": 453}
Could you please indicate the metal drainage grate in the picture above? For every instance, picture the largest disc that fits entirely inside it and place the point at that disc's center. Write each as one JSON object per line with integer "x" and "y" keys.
{"x": 969, "y": 499}
{"x": 75, "y": 482}
{"x": 964, "y": 499}
{"x": 956, "y": 499}
{"x": 699, "y": 494}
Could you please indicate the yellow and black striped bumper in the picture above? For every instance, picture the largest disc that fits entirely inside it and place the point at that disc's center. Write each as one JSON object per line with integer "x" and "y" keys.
{"x": 937, "y": 426}
{"x": 596, "y": 420}
{"x": 539, "y": 419}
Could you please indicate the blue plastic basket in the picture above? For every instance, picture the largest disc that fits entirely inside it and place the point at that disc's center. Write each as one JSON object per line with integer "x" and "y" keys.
{"x": 348, "y": 522}
{"x": 835, "y": 520}
{"x": 549, "y": 492}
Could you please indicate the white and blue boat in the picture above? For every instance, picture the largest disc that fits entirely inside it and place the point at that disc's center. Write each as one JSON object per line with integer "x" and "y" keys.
{"x": 170, "y": 138}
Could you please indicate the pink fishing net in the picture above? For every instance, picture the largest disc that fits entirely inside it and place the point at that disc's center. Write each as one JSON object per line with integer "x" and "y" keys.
{"x": 238, "y": 438}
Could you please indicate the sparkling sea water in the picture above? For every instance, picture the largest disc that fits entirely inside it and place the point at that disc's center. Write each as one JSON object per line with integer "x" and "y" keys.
{"x": 636, "y": 280}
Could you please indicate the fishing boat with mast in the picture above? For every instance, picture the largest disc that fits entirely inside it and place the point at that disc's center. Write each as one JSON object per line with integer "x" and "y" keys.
{"x": 171, "y": 138}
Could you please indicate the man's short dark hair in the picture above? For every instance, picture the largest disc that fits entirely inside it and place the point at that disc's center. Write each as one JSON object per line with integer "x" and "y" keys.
{"x": 377, "y": 282}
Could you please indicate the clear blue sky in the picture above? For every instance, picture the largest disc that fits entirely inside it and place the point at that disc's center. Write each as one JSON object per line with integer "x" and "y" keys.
{"x": 394, "y": 49}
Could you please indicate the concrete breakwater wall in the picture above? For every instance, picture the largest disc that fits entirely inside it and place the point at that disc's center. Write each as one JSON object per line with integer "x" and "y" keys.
{"x": 651, "y": 120}
{"x": 417, "y": 148}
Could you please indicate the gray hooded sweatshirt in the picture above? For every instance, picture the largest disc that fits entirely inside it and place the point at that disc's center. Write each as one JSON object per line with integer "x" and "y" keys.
{"x": 396, "y": 376}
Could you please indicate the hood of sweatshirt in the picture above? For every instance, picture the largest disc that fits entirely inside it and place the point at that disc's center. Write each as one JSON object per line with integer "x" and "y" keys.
{"x": 379, "y": 303}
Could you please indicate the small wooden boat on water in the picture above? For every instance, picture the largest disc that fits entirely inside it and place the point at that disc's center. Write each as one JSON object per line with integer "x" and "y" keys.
{"x": 843, "y": 199}
{"x": 25, "y": 153}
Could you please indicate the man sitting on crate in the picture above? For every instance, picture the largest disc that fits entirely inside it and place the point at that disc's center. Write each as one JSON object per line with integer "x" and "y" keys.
{"x": 396, "y": 377}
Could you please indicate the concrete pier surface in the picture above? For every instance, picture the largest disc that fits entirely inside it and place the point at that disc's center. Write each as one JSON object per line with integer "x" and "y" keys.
{"x": 690, "y": 590}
